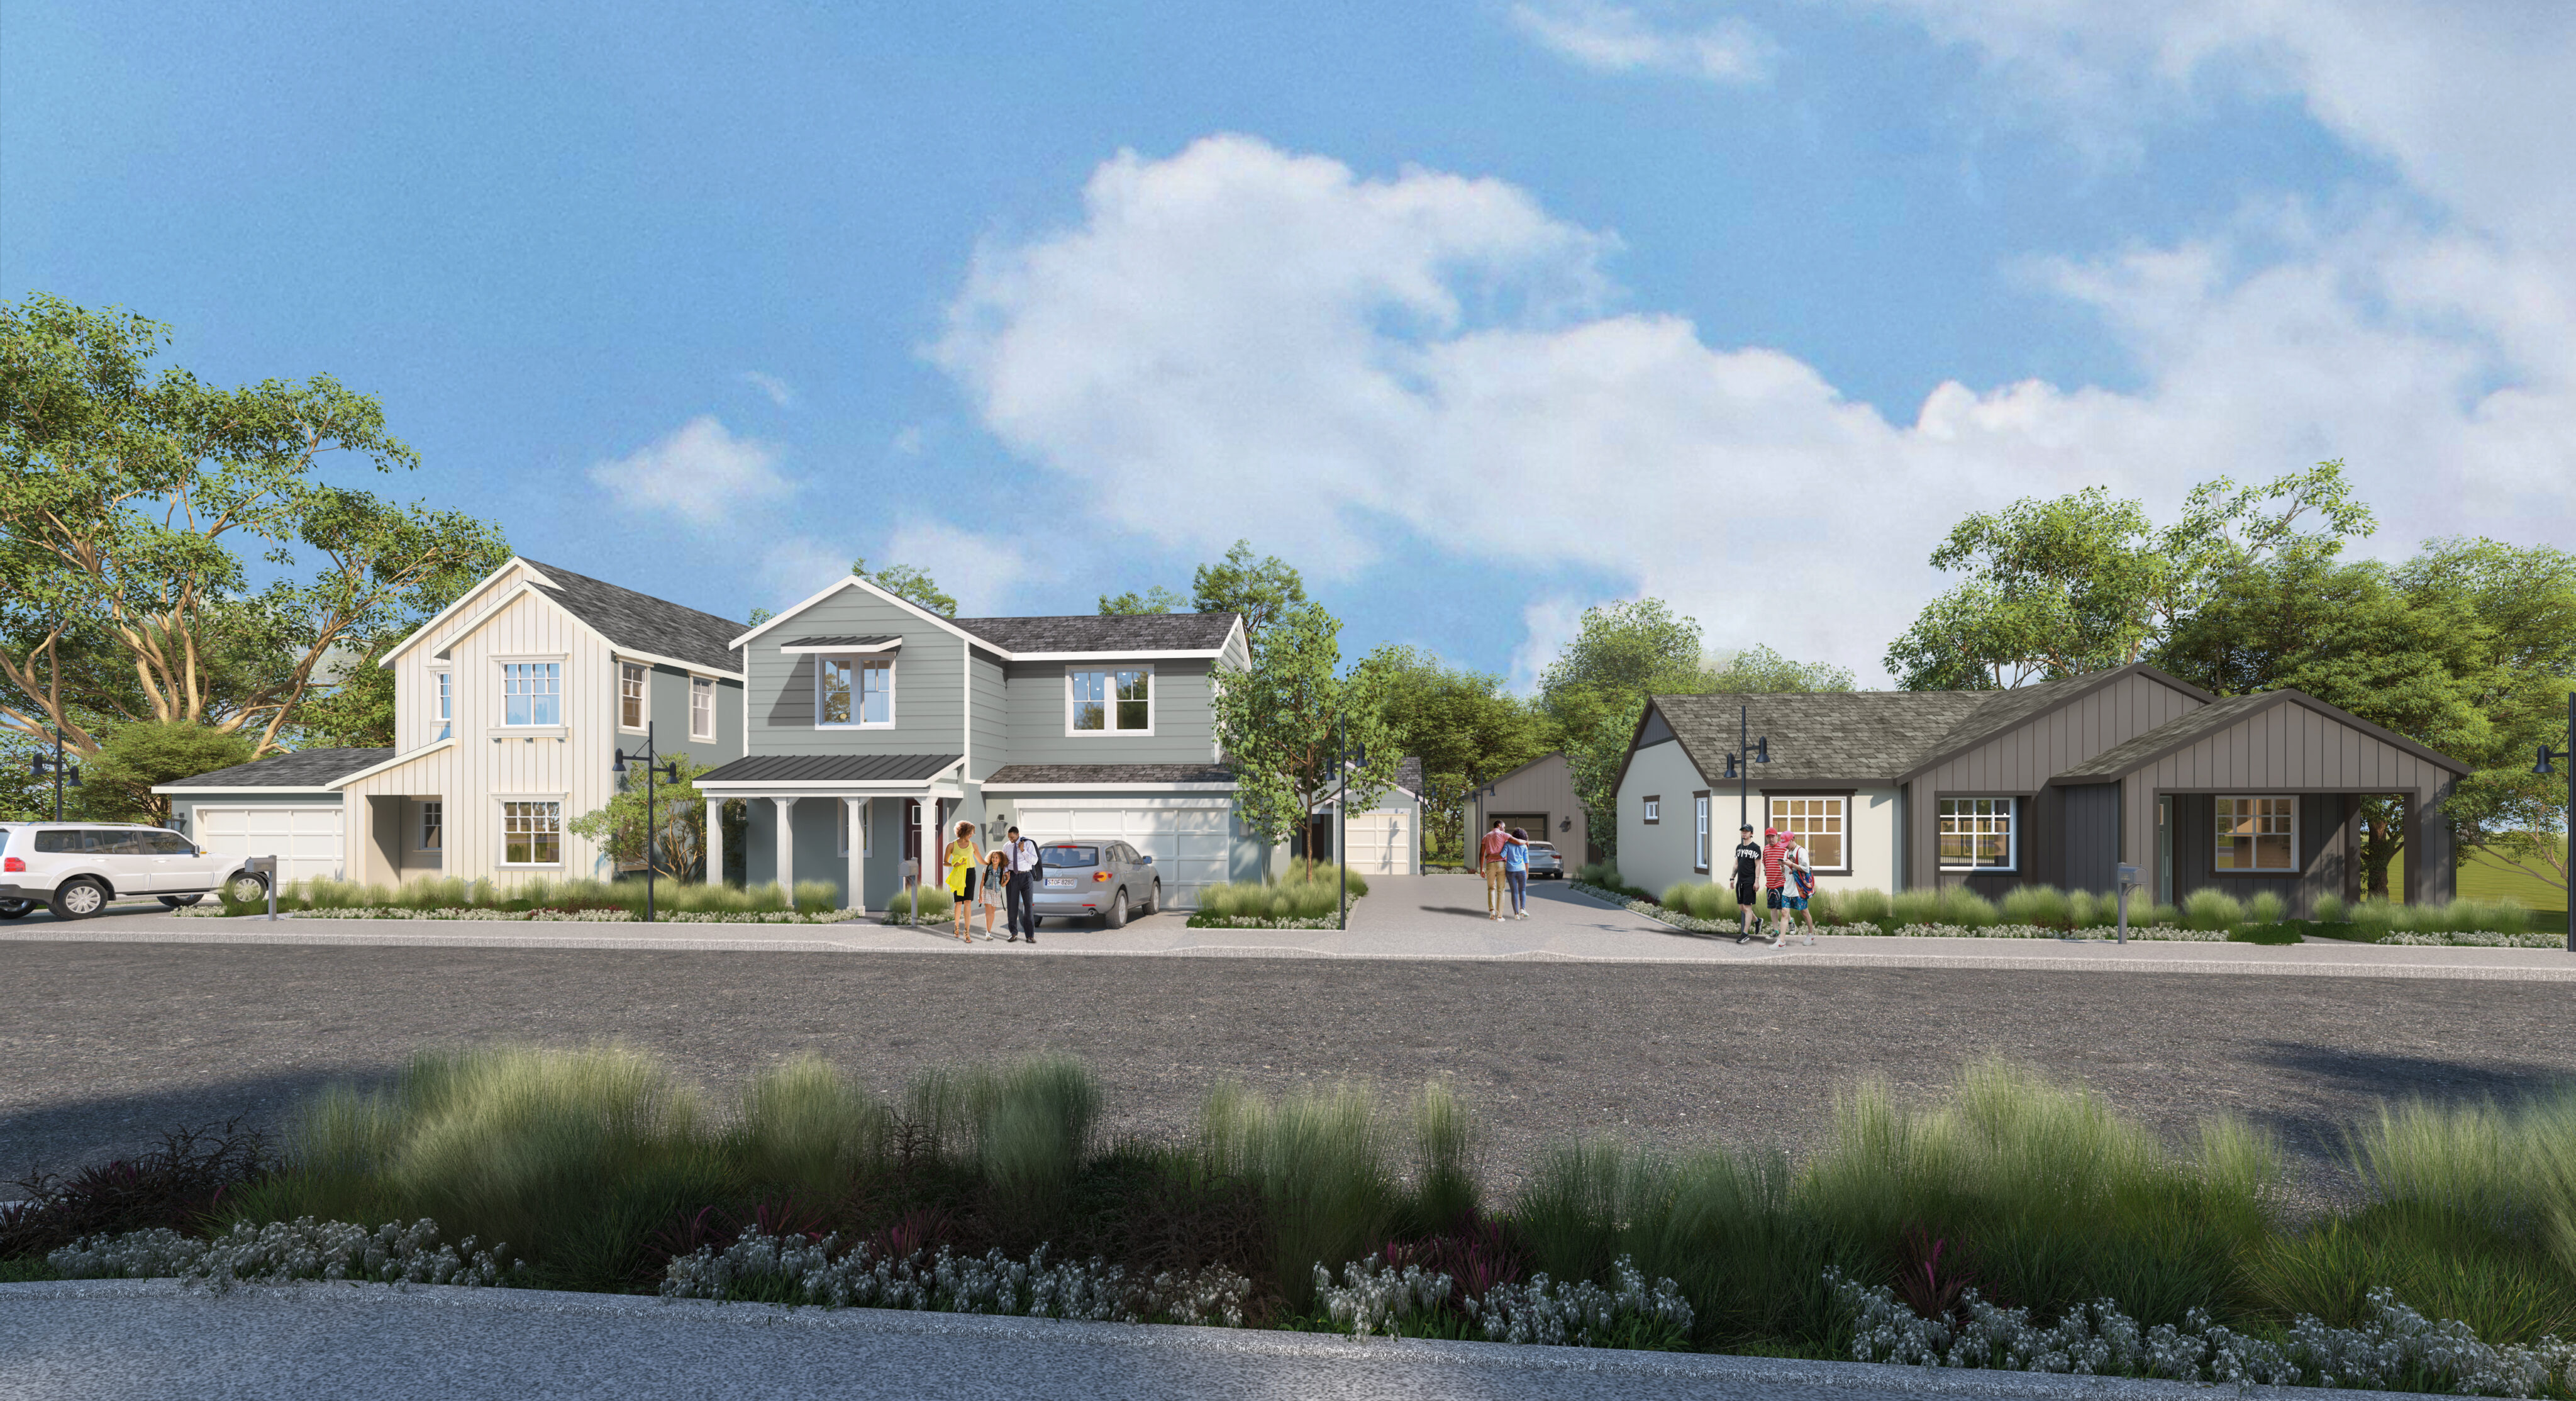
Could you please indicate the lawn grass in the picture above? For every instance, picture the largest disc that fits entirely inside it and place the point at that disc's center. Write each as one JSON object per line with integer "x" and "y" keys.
{"x": 2487, "y": 876}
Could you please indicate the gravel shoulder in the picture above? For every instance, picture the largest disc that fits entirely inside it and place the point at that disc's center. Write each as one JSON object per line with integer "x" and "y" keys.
{"x": 104, "y": 1045}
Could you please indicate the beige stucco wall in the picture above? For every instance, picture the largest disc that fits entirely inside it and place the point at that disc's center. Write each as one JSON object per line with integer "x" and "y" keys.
{"x": 1652, "y": 857}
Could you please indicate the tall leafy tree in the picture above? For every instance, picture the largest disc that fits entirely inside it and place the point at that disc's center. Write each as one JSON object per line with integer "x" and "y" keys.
{"x": 905, "y": 581}
{"x": 2085, "y": 582}
{"x": 1461, "y": 724}
{"x": 1759, "y": 670}
{"x": 1260, "y": 589}
{"x": 1284, "y": 721}
{"x": 674, "y": 840}
{"x": 1154, "y": 600}
{"x": 1595, "y": 692}
{"x": 125, "y": 495}
{"x": 136, "y": 756}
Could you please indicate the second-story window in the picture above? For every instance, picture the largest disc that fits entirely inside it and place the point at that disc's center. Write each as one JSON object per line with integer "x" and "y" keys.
{"x": 630, "y": 695}
{"x": 531, "y": 693}
{"x": 1111, "y": 702}
{"x": 442, "y": 703}
{"x": 854, "y": 692}
{"x": 702, "y": 708}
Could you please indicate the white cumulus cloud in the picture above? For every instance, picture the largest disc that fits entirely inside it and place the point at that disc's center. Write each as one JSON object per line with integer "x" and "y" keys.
{"x": 1240, "y": 337}
{"x": 701, "y": 472}
{"x": 780, "y": 392}
{"x": 1610, "y": 38}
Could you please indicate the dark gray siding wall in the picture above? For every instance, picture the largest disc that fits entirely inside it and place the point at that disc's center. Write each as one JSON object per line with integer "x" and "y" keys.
{"x": 1184, "y": 722}
{"x": 929, "y": 683}
{"x": 1545, "y": 789}
{"x": 666, "y": 698}
{"x": 991, "y": 714}
{"x": 2326, "y": 850}
{"x": 2020, "y": 762}
{"x": 2091, "y": 850}
{"x": 2285, "y": 749}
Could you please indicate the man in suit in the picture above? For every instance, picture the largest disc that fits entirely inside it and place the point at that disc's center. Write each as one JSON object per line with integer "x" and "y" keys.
{"x": 1026, "y": 871}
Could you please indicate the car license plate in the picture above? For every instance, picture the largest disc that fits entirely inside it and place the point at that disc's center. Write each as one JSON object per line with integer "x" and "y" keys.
{"x": 1059, "y": 882}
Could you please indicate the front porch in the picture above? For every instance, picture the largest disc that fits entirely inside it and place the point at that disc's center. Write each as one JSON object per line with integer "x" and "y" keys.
{"x": 860, "y": 823}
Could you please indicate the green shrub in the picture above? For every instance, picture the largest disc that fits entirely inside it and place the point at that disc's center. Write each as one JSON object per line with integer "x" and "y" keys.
{"x": 2331, "y": 909}
{"x": 2044, "y": 905}
{"x": 1700, "y": 899}
{"x": 1956, "y": 904}
{"x": 1446, "y": 1143}
{"x": 803, "y": 1128}
{"x": 936, "y": 903}
{"x": 1033, "y": 1126}
{"x": 1319, "y": 1161}
{"x": 539, "y": 893}
{"x": 1291, "y": 897}
{"x": 1851, "y": 906}
{"x": 2086, "y": 910}
{"x": 2212, "y": 909}
{"x": 2266, "y": 908}
{"x": 1914, "y": 907}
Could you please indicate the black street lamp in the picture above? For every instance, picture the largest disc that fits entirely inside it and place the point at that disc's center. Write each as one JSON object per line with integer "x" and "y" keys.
{"x": 2566, "y": 756}
{"x": 1346, "y": 754}
{"x": 669, "y": 770}
{"x": 60, "y": 768}
{"x": 1739, "y": 765}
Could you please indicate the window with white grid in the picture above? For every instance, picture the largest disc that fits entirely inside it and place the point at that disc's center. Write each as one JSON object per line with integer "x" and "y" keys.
{"x": 531, "y": 693}
{"x": 433, "y": 824}
{"x": 702, "y": 708}
{"x": 630, "y": 695}
{"x": 531, "y": 833}
{"x": 2258, "y": 834}
{"x": 1821, "y": 825}
{"x": 1977, "y": 835}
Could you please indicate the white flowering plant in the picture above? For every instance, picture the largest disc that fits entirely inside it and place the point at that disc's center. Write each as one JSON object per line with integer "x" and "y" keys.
{"x": 800, "y": 1269}
{"x": 1375, "y": 1297}
{"x": 284, "y": 1251}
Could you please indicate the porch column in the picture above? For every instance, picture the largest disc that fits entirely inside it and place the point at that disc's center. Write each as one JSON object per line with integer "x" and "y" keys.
{"x": 786, "y": 845}
{"x": 930, "y": 843}
{"x": 715, "y": 841}
{"x": 2411, "y": 834}
{"x": 857, "y": 808}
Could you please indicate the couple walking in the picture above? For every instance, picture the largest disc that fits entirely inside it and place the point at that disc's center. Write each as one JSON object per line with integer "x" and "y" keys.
{"x": 1504, "y": 858}
{"x": 1003, "y": 879}
{"x": 1788, "y": 881}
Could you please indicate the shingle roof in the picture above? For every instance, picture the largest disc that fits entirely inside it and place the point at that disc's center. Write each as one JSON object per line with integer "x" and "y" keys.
{"x": 1408, "y": 776}
{"x": 305, "y": 768}
{"x": 642, "y": 622}
{"x": 1822, "y": 737}
{"x": 1014, "y": 775}
{"x": 833, "y": 768}
{"x": 1111, "y": 632}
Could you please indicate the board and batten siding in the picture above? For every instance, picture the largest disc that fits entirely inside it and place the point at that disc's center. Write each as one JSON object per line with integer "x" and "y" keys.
{"x": 2291, "y": 749}
{"x": 414, "y": 693}
{"x": 929, "y": 682}
{"x": 1040, "y": 704}
{"x": 2020, "y": 761}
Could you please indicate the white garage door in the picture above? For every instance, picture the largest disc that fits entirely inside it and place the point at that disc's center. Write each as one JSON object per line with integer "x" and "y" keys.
{"x": 1187, "y": 839}
{"x": 305, "y": 841}
{"x": 1381, "y": 843}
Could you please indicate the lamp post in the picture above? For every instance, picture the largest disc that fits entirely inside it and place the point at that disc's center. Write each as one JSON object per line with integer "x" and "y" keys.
{"x": 60, "y": 768}
{"x": 1343, "y": 757}
{"x": 669, "y": 770}
{"x": 1739, "y": 765}
{"x": 2566, "y": 756}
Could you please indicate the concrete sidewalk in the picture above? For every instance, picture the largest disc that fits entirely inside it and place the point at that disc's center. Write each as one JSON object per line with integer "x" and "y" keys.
{"x": 318, "y": 1342}
{"x": 1404, "y": 917}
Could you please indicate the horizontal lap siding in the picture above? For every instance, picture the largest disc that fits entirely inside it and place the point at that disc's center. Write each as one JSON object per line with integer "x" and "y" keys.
{"x": 1184, "y": 718}
{"x": 929, "y": 683}
{"x": 991, "y": 729}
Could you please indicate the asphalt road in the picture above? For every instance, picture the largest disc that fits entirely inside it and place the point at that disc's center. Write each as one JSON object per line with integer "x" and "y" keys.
{"x": 103, "y": 1045}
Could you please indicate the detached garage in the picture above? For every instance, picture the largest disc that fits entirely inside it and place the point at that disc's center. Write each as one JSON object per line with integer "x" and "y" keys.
{"x": 280, "y": 806}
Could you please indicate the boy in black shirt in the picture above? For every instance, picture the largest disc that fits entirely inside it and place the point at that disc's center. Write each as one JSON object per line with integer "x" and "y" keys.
{"x": 1748, "y": 880}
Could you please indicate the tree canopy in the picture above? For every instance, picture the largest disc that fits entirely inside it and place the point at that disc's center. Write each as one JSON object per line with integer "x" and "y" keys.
{"x": 903, "y": 581}
{"x": 1154, "y": 600}
{"x": 1286, "y": 722}
{"x": 1259, "y": 589}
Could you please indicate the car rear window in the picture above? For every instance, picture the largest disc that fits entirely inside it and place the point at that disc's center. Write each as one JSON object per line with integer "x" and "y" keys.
{"x": 1073, "y": 856}
{"x": 1548, "y": 847}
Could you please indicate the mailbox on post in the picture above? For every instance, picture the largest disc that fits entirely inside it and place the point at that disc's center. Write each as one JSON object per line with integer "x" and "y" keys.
{"x": 2128, "y": 882}
{"x": 265, "y": 867}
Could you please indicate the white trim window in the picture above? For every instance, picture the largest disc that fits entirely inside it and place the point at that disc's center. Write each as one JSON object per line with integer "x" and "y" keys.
{"x": 442, "y": 705}
{"x": 1699, "y": 837}
{"x": 1822, "y": 826}
{"x": 1119, "y": 701}
{"x": 867, "y": 826}
{"x": 531, "y": 693}
{"x": 531, "y": 832}
{"x": 1978, "y": 834}
{"x": 702, "y": 707}
{"x": 853, "y": 691}
{"x": 2256, "y": 834}
{"x": 1654, "y": 809}
{"x": 630, "y": 695}
{"x": 433, "y": 824}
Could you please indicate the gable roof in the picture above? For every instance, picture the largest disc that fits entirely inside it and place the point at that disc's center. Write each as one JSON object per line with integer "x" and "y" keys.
{"x": 305, "y": 768}
{"x": 2131, "y": 755}
{"x": 1105, "y": 632}
{"x": 2009, "y": 709}
{"x": 639, "y": 621}
{"x": 1818, "y": 736}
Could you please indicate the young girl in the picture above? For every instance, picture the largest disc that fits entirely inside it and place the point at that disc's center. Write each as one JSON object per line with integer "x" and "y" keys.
{"x": 994, "y": 888}
{"x": 962, "y": 859}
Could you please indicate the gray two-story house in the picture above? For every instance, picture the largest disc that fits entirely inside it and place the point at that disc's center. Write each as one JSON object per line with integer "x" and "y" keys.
{"x": 873, "y": 726}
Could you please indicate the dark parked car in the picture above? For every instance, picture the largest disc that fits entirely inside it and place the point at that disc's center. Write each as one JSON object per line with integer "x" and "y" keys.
{"x": 1102, "y": 880}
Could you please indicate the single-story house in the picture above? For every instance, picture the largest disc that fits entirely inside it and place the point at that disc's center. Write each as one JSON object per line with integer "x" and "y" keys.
{"x": 1385, "y": 840}
{"x": 2053, "y": 784}
{"x": 1538, "y": 797}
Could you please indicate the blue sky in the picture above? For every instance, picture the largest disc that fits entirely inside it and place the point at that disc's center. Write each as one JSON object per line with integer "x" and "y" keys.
{"x": 1480, "y": 312}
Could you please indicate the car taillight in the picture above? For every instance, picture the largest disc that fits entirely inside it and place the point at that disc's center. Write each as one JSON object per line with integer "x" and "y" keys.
{"x": 12, "y": 864}
{"x": 1100, "y": 875}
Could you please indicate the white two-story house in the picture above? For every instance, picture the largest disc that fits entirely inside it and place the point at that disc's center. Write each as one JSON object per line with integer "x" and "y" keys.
{"x": 509, "y": 709}
{"x": 872, "y": 726}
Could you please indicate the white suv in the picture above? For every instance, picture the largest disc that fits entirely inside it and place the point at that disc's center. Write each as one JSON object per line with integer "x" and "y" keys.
{"x": 76, "y": 868}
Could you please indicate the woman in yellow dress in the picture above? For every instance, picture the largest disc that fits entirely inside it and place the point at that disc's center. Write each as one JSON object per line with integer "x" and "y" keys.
{"x": 962, "y": 858}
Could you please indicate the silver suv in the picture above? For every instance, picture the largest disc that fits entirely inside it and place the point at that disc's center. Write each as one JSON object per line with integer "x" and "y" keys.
{"x": 76, "y": 868}
{"x": 1102, "y": 880}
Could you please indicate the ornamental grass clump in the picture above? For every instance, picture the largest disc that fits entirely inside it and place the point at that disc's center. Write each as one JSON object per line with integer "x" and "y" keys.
{"x": 804, "y": 1129}
{"x": 2212, "y": 909}
{"x": 1318, "y": 1158}
{"x": 1033, "y": 1126}
{"x": 540, "y": 893}
{"x": 1447, "y": 1141}
{"x": 1291, "y": 897}
{"x": 2044, "y": 905}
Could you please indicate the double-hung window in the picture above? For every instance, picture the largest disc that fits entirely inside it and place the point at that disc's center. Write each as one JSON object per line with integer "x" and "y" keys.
{"x": 1820, "y": 826}
{"x": 2257, "y": 834}
{"x": 433, "y": 824}
{"x": 1977, "y": 835}
{"x": 1110, "y": 702}
{"x": 442, "y": 705}
{"x": 1654, "y": 809}
{"x": 630, "y": 695}
{"x": 702, "y": 708}
{"x": 531, "y": 833}
{"x": 531, "y": 693}
{"x": 853, "y": 691}
{"x": 1699, "y": 836}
